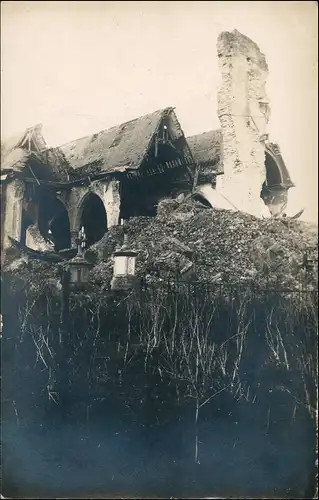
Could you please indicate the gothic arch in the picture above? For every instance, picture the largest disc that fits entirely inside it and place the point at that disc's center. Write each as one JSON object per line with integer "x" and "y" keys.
{"x": 53, "y": 221}
{"x": 91, "y": 214}
{"x": 276, "y": 169}
{"x": 275, "y": 189}
{"x": 273, "y": 174}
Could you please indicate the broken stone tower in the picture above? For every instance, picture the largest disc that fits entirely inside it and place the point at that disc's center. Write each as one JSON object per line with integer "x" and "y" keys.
{"x": 243, "y": 110}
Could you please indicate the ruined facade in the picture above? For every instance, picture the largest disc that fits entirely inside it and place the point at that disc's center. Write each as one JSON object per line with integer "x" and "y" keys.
{"x": 207, "y": 149}
{"x": 244, "y": 112}
{"x": 93, "y": 182}
{"x": 48, "y": 194}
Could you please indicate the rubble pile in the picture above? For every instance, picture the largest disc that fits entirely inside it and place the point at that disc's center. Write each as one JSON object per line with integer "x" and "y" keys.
{"x": 190, "y": 242}
{"x": 209, "y": 245}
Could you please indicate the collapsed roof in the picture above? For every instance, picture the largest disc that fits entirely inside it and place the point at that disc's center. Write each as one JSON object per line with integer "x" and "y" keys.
{"x": 15, "y": 150}
{"x": 117, "y": 149}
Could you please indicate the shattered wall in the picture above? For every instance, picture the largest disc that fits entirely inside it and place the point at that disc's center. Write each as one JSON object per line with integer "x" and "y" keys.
{"x": 35, "y": 240}
{"x": 243, "y": 111}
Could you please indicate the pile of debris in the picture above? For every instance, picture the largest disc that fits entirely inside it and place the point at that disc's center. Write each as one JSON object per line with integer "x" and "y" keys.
{"x": 189, "y": 242}
{"x": 192, "y": 242}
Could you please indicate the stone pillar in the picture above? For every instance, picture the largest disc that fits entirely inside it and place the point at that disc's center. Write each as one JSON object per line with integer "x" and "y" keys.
{"x": 13, "y": 212}
{"x": 243, "y": 112}
{"x": 112, "y": 202}
{"x": 72, "y": 205}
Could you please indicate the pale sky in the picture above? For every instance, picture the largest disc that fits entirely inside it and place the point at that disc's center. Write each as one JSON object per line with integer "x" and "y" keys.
{"x": 80, "y": 67}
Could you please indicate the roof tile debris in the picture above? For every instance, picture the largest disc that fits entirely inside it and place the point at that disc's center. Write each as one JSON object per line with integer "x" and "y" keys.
{"x": 118, "y": 148}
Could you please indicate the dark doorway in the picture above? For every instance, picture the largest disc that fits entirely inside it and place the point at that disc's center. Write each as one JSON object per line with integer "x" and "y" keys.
{"x": 93, "y": 219}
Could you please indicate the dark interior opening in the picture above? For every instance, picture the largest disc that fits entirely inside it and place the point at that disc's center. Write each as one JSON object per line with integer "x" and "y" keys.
{"x": 53, "y": 217}
{"x": 273, "y": 193}
{"x": 93, "y": 219}
{"x": 60, "y": 229}
{"x": 273, "y": 176}
{"x": 140, "y": 197}
{"x": 159, "y": 176}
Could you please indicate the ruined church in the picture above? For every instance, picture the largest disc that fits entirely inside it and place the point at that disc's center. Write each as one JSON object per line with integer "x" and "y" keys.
{"x": 48, "y": 194}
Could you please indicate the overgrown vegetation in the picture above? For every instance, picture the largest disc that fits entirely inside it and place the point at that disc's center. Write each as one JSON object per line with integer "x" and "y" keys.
{"x": 188, "y": 343}
{"x": 169, "y": 350}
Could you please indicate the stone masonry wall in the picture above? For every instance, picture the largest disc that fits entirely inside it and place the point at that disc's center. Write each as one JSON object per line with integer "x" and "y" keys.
{"x": 243, "y": 111}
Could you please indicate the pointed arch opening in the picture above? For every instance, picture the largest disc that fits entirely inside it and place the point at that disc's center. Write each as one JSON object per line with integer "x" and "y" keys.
{"x": 273, "y": 174}
{"x": 53, "y": 221}
{"x": 93, "y": 218}
{"x": 274, "y": 194}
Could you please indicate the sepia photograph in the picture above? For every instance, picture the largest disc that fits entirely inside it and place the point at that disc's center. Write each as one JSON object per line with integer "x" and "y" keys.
{"x": 159, "y": 249}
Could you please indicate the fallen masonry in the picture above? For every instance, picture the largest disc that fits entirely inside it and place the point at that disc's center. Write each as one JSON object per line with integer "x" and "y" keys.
{"x": 193, "y": 243}
{"x": 238, "y": 247}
